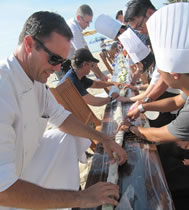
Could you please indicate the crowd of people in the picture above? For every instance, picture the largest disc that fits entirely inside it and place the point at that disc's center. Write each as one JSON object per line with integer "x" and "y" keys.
{"x": 39, "y": 167}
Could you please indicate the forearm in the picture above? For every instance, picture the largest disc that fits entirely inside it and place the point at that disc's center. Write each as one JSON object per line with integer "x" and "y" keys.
{"x": 95, "y": 101}
{"x": 159, "y": 88}
{"x": 81, "y": 130}
{"x": 165, "y": 105}
{"x": 138, "y": 97}
{"x": 142, "y": 95}
{"x": 143, "y": 87}
{"x": 102, "y": 84}
{"x": 99, "y": 101}
{"x": 23, "y": 194}
{"x": 153, "y": 134}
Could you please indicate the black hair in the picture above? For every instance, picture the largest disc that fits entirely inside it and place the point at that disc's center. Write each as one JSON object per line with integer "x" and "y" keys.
{"x": 41, "y": 24}
{"x": 137, "y": 8}
{"x": 120, "y": 12}
{"x": 148, "y": 61}
{"x": 76, "y": 63}
{"x": 123, "y": 28}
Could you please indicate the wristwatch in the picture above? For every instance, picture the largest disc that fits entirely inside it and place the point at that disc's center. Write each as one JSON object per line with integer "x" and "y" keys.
{"x": 147, "y": 99}
{"x": 140, "y": 108}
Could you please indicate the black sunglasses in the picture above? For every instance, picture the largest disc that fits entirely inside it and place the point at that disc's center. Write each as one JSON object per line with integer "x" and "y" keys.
{"x": 53, "y": 58}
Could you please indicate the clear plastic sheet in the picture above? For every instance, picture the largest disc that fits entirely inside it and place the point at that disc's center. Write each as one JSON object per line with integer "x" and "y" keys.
{"x": 144, "y": 177}
{"x": 141, "y": 179}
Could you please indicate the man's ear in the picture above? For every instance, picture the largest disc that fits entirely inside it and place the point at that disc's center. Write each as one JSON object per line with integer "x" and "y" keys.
{"x": 175, "y": 76}
{"x": 78, "y": 18}
{"x": 28, "y": 43}
{"x": 84, "y": 64}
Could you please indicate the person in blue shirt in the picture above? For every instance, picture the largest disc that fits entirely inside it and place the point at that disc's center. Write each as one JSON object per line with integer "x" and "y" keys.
{"x": 82, "y": 63}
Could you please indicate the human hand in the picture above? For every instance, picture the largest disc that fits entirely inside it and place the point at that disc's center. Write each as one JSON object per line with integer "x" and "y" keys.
{"x": 119, "y": 85}
{"x": 132, "y": 87}
{"x": 110, "y": 147}
{"x": 115, "y": 95}
{"x": 99, "y": 194}
{"x": 124, "y": 125}
{"x": 133, "y": 112}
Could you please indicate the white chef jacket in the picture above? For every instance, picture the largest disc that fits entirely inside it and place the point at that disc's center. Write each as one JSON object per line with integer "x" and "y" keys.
{"x": 25, "y": 109}
{"x": 78, "y": 40}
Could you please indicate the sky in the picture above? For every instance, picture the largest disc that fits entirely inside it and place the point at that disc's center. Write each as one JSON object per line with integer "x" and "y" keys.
{"x": 13, "y": 14}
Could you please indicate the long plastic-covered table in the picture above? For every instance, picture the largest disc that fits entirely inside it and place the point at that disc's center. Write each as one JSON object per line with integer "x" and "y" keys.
{"x": 141, "y": 178}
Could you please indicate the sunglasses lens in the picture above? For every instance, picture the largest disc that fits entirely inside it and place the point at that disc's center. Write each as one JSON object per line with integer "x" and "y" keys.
{"x": 65, "y": 60}
{"x": 55, "y": 60}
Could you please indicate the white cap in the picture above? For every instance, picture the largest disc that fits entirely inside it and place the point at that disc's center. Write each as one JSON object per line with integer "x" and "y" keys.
{"x": 168, "y": 29}
{"x": 136, "y": 49}
{"x": 107, "y": 26}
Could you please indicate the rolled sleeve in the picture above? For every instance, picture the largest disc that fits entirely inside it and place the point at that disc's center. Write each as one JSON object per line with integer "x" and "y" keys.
{"x": 59, "y": 116}
{"x": 180, "y": 126}
{"x": 57, "y": 113}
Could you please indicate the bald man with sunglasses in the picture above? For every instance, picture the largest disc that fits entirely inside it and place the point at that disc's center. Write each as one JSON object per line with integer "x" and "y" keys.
{"x": 38, "y": 167}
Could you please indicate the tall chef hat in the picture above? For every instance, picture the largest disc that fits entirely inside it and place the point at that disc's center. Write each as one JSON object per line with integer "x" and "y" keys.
{"x": 136, "y": 49}
{"x": 168, "y": 29}
{"x": 107, "y": 26}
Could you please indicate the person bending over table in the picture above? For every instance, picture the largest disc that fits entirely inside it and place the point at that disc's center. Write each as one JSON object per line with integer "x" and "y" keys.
{"x": 137, "y": 14}
{"x": 171, "y": 51}
{"x": 141, "y": 53}
{"x": 38, "y": 167}
{"x": 82, "y": 63}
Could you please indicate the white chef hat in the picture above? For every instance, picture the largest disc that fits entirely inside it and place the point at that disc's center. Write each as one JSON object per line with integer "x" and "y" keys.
{"x": 107, "y": 26}
{"x": 136, "y": 49}
{"x": 168, "y": 29}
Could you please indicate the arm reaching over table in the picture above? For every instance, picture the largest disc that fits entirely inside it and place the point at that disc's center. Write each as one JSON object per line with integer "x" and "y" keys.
{"x": 99, "y": 101}
{"x": 104, "y": 84}
{"x": 84, "y": 131}
{"x": 22, "y": 194}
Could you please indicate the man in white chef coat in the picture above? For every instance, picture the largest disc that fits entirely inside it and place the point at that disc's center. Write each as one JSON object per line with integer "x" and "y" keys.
{"x": 39, "y": 169}
{"x": 84, "y": 16}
